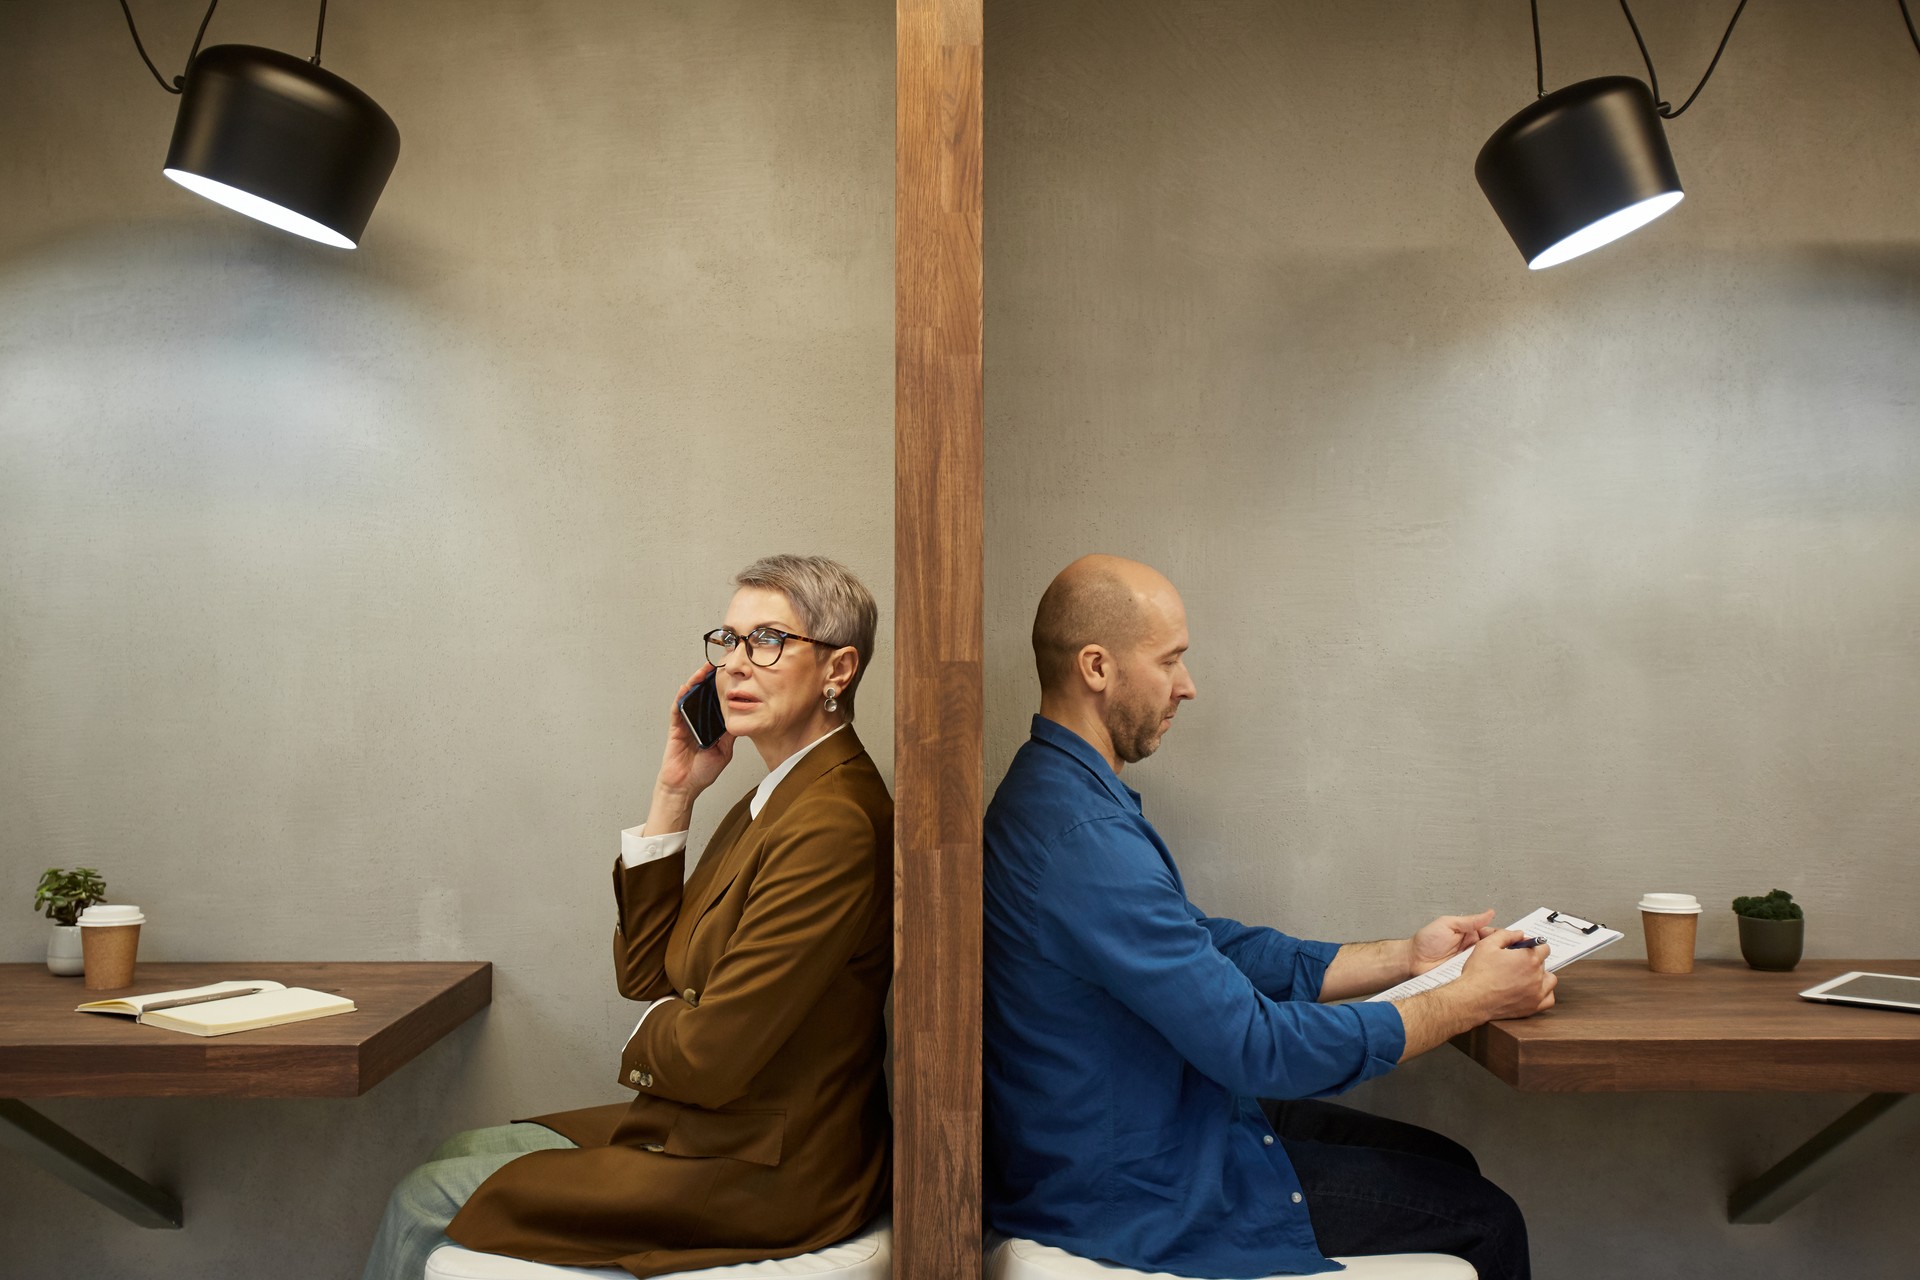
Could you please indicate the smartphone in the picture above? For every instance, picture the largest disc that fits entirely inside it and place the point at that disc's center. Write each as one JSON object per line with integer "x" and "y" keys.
{"x": 700, "y": 708}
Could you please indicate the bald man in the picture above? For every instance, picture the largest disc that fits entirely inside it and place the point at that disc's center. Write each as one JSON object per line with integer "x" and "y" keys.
{"x": 1150, "y": 1069}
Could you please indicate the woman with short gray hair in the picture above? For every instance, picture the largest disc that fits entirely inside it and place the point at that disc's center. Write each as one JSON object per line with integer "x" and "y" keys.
{"x": 830, "y": 601}
{"x": 759, "y": 1124}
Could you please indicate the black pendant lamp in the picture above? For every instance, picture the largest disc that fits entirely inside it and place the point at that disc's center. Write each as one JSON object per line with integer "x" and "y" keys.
{"x": 282, "y": 140}
{"x": 277, "y": 138}
{"x": 1585, "y": 165}
{"x": 1578, "y": 168}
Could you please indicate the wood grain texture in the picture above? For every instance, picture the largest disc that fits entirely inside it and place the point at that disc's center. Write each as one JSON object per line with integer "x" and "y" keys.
{"x": 49, "y": 1051}
{"x": 1617, "y": 1027}
{"x": 939, "y": 718}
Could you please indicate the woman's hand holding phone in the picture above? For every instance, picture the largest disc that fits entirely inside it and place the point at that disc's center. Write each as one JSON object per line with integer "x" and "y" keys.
{"x": 685, "y": 769}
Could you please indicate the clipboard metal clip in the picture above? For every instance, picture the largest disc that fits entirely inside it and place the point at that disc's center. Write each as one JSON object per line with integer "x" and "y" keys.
{"x": 1558, "y": 917}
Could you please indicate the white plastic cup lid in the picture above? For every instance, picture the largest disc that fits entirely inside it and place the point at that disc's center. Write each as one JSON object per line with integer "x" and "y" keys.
{"x": 1671, "y": 904}
{"x": 106, "y": 915}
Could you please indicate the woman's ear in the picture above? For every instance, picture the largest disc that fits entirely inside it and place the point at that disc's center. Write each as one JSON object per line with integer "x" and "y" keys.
{"x": 842, "y": 664}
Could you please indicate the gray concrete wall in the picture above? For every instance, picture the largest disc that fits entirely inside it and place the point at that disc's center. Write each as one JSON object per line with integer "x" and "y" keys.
{"x": 1506, "y": 588}
{"x": 342, "y": 594}
{"x": 349, "y": 584}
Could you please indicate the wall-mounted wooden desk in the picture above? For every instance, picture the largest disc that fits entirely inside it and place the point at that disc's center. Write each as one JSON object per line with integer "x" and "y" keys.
{"x": 1616, "y": 1027}
{"x": 49, "y": 1051}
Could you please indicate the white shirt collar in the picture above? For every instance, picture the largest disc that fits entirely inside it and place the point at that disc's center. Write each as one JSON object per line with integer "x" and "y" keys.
{"x": 764, "y": 792}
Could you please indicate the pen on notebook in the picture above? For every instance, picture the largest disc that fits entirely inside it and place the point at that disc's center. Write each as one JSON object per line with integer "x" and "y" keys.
{"x": 1526, "y": 944}
{"x": 218, "y": 995}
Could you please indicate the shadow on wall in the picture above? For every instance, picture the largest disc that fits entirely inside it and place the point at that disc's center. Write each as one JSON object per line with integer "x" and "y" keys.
{"x": 1616, "y": 561}
{"x": 198, "y": 364}
{"x": 274, "y": 521}
{"x": 1305, "y": 411}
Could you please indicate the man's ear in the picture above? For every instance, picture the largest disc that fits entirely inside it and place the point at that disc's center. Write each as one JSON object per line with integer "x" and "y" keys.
{"x": 1095, "y": 666}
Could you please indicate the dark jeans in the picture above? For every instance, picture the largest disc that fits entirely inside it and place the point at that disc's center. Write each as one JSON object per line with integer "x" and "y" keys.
{"x": 1380, "y": 1186}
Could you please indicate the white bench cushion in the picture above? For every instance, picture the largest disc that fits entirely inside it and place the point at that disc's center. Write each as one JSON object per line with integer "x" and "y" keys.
{"x": 867, "y": 1256}
{"x": 1016, "y": 1259}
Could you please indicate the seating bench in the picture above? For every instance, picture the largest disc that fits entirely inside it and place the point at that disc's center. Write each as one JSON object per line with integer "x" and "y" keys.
{"x": 867, "y": 1256}
{"x": 1016, "y": 1259}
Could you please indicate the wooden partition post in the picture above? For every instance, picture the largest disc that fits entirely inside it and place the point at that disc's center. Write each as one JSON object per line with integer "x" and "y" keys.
{"x": 939, "y": 734}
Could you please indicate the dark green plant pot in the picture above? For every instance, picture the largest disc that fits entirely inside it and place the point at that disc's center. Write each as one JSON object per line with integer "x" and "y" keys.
{"x": 1772, "y": 945}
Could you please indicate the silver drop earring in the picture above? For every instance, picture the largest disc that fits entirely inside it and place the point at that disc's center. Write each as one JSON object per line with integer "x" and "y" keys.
{"x": 833, "y": 700}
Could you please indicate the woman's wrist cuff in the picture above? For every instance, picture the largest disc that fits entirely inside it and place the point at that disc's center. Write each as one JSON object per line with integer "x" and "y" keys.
{"x": 637, "y": 848}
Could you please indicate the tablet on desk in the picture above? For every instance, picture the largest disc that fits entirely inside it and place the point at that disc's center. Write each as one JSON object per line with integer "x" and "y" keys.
{"x": 1869, "y": 991}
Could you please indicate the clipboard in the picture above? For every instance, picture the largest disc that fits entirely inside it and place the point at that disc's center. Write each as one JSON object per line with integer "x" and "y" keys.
{"x": 1569, "y": 938}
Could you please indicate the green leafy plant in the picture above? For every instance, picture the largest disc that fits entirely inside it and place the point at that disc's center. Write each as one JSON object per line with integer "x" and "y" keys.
{"x": 65, "y": 894}
{"x": 1778, "y": 905}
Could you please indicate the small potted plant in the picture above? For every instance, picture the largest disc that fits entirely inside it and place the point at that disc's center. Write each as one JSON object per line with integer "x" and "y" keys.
{"x": 63, "y": 895}
{"x": 1772, "y": 929}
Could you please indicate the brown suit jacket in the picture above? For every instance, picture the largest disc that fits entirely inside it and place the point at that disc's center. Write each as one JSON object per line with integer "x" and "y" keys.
{"x": 760, "y": 1126}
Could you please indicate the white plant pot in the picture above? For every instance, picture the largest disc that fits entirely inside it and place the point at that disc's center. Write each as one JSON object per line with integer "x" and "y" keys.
{"x": 64, "y": 954}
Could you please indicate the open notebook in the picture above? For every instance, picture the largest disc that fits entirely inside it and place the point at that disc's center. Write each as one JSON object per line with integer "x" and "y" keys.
{"x": 1569, "y": 938}
{"x": 222, "y": 1008}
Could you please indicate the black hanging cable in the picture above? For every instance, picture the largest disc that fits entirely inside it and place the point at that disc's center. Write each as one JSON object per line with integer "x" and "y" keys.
{"x": 1539, "y": 65}
{"x": 319, "y": 33}
{"x": 1910, "y": 31}
{"x": 195, "y": 51}
{"x": 178, "y": 81}
{"x": 1666, "y": 109}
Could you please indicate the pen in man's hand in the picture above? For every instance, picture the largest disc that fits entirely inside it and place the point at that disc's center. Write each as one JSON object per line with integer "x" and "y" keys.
{"x": 1526, "y": 944}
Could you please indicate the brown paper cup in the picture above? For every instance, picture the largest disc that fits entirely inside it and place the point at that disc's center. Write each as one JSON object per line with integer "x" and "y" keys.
{"x": 1669, "y": 941}
{"x": 110, "y": 951}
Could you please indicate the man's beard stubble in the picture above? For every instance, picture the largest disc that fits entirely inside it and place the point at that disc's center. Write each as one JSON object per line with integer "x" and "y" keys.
{"x": 1135, "y": 728}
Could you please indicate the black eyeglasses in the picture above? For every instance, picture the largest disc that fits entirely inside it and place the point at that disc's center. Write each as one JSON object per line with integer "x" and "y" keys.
{"x": 764, "y": 644}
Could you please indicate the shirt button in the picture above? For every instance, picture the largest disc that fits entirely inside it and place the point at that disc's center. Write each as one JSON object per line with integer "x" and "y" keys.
{"x": 652, "y": 1146}
{"x": 1266, "y": 1139}
{"x": 1296, "y": 1197}
{"x": 633, "y": 1077}
{"x": 689, "y": 996}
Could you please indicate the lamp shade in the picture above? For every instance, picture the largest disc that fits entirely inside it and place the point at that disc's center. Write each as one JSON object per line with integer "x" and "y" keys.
{"x": 282, "y": 140}
{"x": 1580, "y": 167}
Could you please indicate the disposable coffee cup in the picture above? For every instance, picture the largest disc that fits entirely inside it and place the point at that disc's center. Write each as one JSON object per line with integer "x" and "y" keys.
{"x": 1671, "y": 921}
{"x": 109, "y": 941}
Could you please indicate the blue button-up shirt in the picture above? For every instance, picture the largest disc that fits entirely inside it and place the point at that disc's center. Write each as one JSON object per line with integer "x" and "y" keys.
{"x": 1128, "y": 1036}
